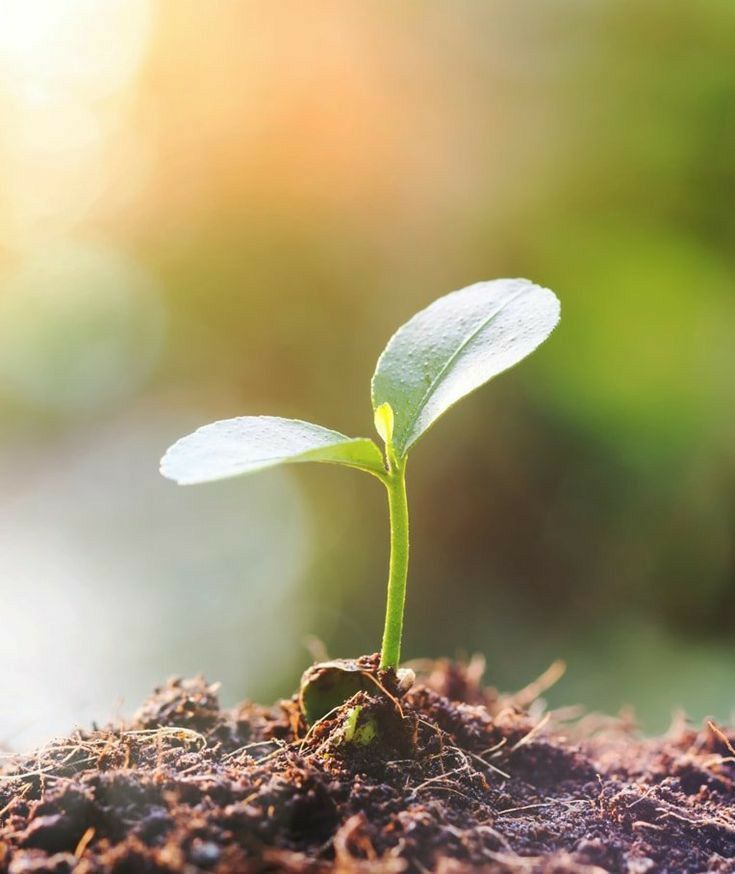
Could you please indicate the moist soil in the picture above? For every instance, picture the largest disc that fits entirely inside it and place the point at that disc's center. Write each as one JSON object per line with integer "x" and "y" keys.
{"x": 448, "y": 776}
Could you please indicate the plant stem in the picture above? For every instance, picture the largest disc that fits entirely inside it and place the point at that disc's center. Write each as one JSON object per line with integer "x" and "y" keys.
{"x": 395, "y": 483}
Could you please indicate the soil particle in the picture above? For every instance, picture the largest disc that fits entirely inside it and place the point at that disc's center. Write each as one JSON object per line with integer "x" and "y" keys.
{"x": 457, "y": 778}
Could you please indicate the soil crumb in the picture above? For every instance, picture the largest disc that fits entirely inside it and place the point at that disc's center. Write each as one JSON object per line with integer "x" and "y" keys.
{"x": 449, "y": 777}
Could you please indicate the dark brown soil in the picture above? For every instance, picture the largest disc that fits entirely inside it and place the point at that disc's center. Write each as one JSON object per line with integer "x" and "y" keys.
{"x": 462, "y": 779}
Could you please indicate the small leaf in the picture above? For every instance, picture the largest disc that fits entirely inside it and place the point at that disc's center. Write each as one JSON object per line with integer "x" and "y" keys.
{"x": 359, "y": 730}
{"x": 384, "y": 420}
{"x": 249, "y": 443}
{"x": 455, "y": 345}
{"x": 350, "y": 726}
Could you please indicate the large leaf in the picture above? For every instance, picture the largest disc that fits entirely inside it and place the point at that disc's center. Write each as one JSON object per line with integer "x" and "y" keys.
{"x": 454, "y": 346}
{"x": 249, "y": 443}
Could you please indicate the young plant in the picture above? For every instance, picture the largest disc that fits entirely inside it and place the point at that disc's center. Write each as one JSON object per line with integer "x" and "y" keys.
{"x": 443, "y": 353}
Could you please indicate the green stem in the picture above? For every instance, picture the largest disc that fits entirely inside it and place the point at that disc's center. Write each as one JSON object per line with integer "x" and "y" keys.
{"x": 395, "y": 483}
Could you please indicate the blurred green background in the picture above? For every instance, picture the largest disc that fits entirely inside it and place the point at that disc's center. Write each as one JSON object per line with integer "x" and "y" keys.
{"x": 217, "y": 209}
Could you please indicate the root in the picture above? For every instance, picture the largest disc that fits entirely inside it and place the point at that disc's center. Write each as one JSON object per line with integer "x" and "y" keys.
{"x": 48, "y": 761}
{"x": 532, "y": 733}
{"x": 526, "y": 696}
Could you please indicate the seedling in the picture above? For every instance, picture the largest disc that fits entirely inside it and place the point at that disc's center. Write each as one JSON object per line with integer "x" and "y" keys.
{"x": 444, "y": 352}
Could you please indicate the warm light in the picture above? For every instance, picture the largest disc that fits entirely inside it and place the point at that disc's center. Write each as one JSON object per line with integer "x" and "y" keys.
{"x": 65, "y": 67}
{"x": 90, "y": 48}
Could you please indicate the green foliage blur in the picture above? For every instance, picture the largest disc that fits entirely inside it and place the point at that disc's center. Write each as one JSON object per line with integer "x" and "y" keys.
{"x": 285, "y": 187}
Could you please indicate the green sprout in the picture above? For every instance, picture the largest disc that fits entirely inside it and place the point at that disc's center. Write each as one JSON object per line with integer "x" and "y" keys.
{"x": 444, "y": 352}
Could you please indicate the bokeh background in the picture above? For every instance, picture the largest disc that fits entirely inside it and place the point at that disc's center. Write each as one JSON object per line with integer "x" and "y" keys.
{"x": 214, "y": 209}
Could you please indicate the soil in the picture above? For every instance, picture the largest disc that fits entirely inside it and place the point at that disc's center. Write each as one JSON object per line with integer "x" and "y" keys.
{"x": 457, "y": 778}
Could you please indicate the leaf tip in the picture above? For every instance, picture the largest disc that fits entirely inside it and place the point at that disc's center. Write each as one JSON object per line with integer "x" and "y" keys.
{"x": 167, "y": 468}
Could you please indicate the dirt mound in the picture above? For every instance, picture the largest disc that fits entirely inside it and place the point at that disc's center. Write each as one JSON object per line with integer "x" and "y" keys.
{"x": 450, "y": 777}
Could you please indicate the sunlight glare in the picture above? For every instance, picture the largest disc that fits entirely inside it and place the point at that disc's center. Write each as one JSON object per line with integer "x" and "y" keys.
{"x": 91, "y": 48}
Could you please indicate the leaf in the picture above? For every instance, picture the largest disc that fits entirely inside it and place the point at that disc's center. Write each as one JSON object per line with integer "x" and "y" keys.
{"x": 454, "y": 346}
{"x": 249, "y": 443}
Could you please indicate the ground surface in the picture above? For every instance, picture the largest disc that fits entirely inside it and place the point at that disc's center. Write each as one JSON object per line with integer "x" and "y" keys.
{"x": 462, "y": 780}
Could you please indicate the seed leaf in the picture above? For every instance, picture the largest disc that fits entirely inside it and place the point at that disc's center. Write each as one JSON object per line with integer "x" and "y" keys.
{"x": 249, "y": 443}
{"x": 454, "y": 346}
